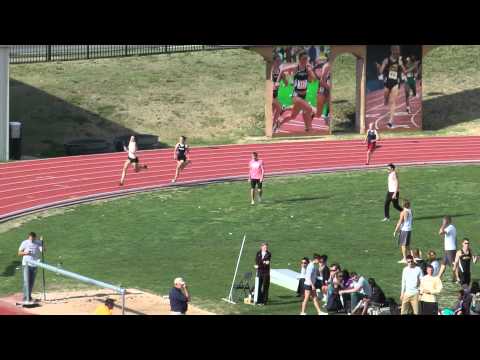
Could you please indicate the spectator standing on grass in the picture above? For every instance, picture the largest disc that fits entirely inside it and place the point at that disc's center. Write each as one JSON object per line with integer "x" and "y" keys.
{"x": 310, "y": 289}
{"x": 106, "y": 308}
{"x": 301, "y": 279}
{"x": 30, "y": 249}
{"x": 405, "y": 225}
{"x": 463, "y": 260}
{"x": 393, "y": 193}
{"x": 255, "y": 178}
{"x": 262, "y": 264}
{"x": 430, "y": 287}
{"x": 411, "y": 278}
{"x": 449, "y": 232}
{"x": 179, "y": 297}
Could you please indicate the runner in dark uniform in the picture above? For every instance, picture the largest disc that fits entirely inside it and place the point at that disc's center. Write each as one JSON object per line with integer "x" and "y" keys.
{"x": 371, "y": 139}
{"x": 277, "y": 76}
{"x": 411, "y": 71}
{"x": 323, "y": 73}
{"x": 180, "y": 155}
{"x": 303, "y": 75}
{"x": 462, "y": 263}
{"x": 391, "y": 70}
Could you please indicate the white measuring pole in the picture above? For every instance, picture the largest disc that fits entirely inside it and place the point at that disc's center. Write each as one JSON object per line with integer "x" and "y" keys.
{"x": 230, "y": 296}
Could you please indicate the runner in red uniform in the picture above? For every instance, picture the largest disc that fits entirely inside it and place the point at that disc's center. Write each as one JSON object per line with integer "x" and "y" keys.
{"x": 371, "y": 140}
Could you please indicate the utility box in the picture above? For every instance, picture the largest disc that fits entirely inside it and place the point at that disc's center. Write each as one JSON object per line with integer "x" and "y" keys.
{"x": 15, "y": 140}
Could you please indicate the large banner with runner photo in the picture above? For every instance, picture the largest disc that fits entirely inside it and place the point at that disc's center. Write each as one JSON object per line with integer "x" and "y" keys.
{"x": 394, "y": 87}
{"x": 302, "y": 87}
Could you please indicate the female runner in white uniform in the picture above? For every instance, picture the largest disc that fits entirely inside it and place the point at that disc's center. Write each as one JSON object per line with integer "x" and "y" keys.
{"x": 132, "y": 159}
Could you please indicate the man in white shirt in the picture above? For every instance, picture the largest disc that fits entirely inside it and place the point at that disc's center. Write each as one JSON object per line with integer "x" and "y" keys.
{"x": 411, "y": 278}
{"x": 393, "y": 193}
{"x": 449, "y": 232}
{"x": 30, "y": 249}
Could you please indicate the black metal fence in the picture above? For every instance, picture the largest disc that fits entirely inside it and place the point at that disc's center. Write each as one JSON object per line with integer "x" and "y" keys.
{"x": 21, "y": 54}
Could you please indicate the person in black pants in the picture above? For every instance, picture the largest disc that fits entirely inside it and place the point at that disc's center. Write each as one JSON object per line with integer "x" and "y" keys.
{"x": 262, "y": 264}
{"x": 393, "y": 193}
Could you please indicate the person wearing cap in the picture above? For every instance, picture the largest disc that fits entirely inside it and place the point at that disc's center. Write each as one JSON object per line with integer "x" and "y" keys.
{"x": 262, "y": 264}
{"x": 179, "y": 297}
{"x": 106, "y": 308}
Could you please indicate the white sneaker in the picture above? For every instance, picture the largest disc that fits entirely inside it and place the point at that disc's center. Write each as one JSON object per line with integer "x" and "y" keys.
{"x": 386, "y": 219}
{"x": 321, "y": 313}
{"x": 253, "y": 202}
{"x": 303, "y": 314}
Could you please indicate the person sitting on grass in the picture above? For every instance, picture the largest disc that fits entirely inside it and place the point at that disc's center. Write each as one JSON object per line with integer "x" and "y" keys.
{"x": 334, "y": 296}
{"x": 464, "y": 301}
{"x": 106, "y": 308}
{"x": 377, "y": 297}
{"x": 360, "y": 293}
{"x": 475, "y": 292}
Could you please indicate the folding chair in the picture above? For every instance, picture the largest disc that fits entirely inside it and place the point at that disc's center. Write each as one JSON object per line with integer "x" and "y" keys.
{"x": 243, "y": 288}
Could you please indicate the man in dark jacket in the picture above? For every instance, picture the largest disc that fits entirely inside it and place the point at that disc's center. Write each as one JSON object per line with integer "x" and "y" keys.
{"x": 262, "y": 264}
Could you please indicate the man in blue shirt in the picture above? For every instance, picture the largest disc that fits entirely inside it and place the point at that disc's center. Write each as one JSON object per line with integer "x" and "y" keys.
{"x": 179, "y": 297}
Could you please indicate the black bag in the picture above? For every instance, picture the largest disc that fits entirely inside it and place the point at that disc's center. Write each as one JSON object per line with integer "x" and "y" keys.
{"x": 394, "y": 308}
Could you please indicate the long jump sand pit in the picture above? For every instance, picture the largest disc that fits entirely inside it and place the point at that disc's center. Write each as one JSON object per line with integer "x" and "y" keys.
{"x": 85, "y": 302}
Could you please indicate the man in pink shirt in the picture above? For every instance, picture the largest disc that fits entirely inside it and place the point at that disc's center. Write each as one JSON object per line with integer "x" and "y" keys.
{"x": 256, "y": 177}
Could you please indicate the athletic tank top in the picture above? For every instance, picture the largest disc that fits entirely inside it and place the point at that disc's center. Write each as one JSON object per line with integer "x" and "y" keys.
{"x": 465, "y": 260}
{"x": 371, "y": 135}
{"x": 392, "y": 182}
{"x": 132, "y": 150}
{"x": 181, "y": 150}
{"x": 392, "y": 71}
{"x": 408, "y": 222}
{"x": 300, "y": 79}
{"x": 411, "y": 71}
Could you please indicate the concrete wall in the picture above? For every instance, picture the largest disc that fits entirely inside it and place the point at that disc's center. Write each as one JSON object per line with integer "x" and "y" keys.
{"x": 4, "y": 103}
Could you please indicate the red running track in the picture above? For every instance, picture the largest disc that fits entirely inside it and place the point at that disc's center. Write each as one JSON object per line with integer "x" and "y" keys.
{"x": 29, "y": 186}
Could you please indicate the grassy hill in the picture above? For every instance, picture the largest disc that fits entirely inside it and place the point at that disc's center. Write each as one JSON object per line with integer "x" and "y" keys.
{"x": 212, "y": 97}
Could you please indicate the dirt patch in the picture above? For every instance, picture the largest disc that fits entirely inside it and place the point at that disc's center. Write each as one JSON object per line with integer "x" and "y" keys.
{"x": 86, "y": 301}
